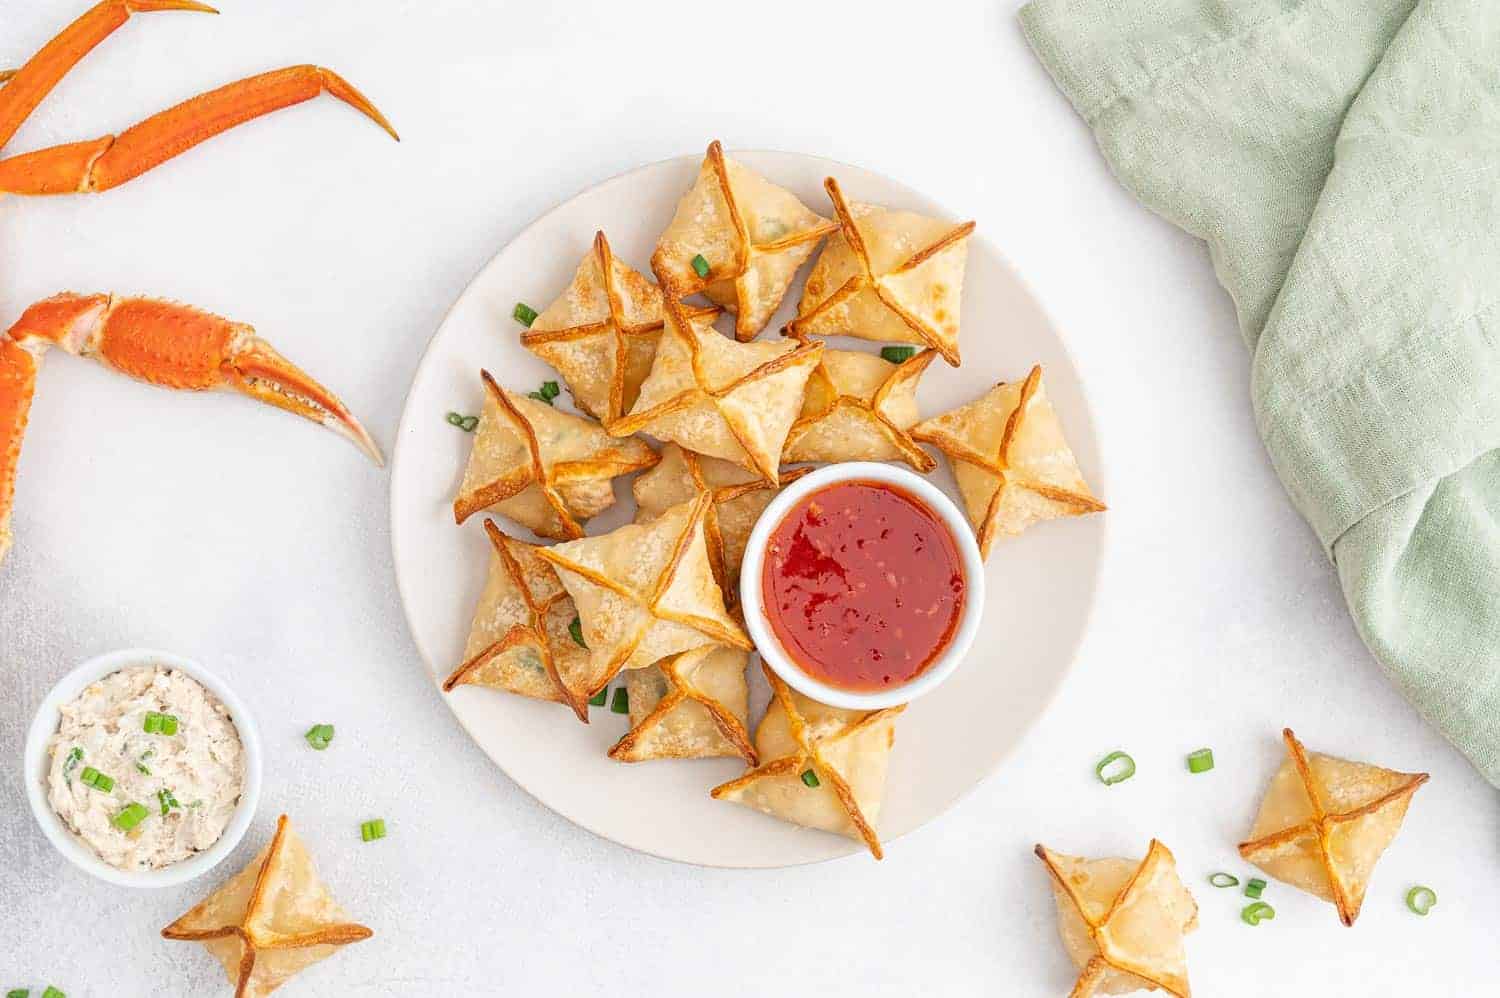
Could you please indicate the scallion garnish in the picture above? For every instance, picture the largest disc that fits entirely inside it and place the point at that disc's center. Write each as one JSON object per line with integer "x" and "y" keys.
{"x": 598, "y": 699}
{"x": 1224, "y": 880}
{"x": 160, "y": 724}
{"x": 898, "y": 355}
{"x": 130, "y": 815}
{"x": 1117, "y": 773}
{"x": 319, "y": 735}
{"x": 91, "y": 777}
{"x": 52, "y": 992}
{"x": 1200, "y": 761}
{"x": 454, "y": 419}
{"x": 575, "y": 628}
{"x": 546, "y": 393}
{"x": 1258, "y": 912}
{"x": 1421, "y": 899}
{"x": 71, "y": 763}
{"x": 372, "y": 830}
{"x": 1255, "y": 887}
{"x": 621, "y": 703}
{"x": 524, "y": 314}
{"x": 17, "y": 993}
{"x": 167, "y": 801}
{"x": 169, "y": 724}
{"x": 468, "y": 424}
{"x": 810, "y": 779}
{"x": 700, "y": 265}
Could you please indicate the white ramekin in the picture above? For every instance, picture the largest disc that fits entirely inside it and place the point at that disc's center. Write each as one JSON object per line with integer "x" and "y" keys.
{"x": 765, "y": 638}
{"x": 37, "y": 762}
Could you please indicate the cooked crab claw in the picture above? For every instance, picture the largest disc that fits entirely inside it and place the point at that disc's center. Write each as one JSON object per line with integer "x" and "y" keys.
{"x": 164, "y": 343}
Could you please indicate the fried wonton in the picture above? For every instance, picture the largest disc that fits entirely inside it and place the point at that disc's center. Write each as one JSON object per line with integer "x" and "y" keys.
{"x": 734, "y": 401}
{"x": 600, "y": 334}
{"x": 271, "y": 920}
{"x": 1326, "y": 821}
{"x": 690, "y": 706}
{"x": 887, "y": 275}
{"x": 822, "y": 767}
{"x": 752, "y": 234}
{"x": 739, "y": 497}
{"x": 546, "y": 469}
{"x": 644, "y": 592}
{"x": 858, "y": 407}
{"x": 1122, "y": 921}
{"x": 520, "y": 640}
{"x": 1013, "y": 465}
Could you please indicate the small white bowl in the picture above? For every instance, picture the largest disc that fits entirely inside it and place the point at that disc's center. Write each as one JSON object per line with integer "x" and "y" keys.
{"x": 968, "y": 552}
{"x": 37, "y": 762}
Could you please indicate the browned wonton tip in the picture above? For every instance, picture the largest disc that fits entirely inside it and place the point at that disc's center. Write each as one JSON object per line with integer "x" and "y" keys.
{"x": 852, "y": 413}
{"x": 1360, "y": 805}
{"x": 693, "y": 718}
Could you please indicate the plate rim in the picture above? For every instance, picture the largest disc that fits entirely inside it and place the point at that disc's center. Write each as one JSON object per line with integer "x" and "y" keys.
{"x": 1100, "y": 477}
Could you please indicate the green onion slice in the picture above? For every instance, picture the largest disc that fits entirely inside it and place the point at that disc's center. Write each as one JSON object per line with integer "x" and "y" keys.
{"x": 319, "y": 735}
{"x": 810, "y": 779}
{"x": 898, "y": 355}
{"x": 621, "y": 703}
{"x": 71, "y": 763}
{"x": 1258, "y": 912}
{"x": 1254, "y": 888}
{"x": 130, "y": 815}
{"x": 575, "y": 628}
{"x": 468, "y": 423}
{"x": 1200, "y": 761}
{"x": 52, "y": 992}
{"x": 454, "y": 419}
{"x": 1118, "y": 774}
{"x": 372, "y": 830}
{"x": 700, "y": 265}
{"x": 524, "y": 314}
{"x": 153, "y": 723}
{"x": 169, "y": 724}
{"x": 1421, "y": 899}
{"x": 167, "y": 801}
{"x": 598, "y": 699}
{"x": 17, "y": 993}
{"x": 550, "y": 390}
{"x": 1224, "y": 880}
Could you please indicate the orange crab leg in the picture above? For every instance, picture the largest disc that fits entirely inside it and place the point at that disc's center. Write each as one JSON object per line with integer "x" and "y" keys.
{"x": 164, "y": 343}
{"x": 33, "y": 81}
{"x": 100, "y": 164}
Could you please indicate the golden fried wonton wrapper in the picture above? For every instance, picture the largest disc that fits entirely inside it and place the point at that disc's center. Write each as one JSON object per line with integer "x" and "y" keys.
{"x": 858, "y": 407}
{"x": 734, "y": 401}
{"x": 691, "y": 706}
{"x": 739, "y": 497}
{"x": 546, "y": 469}
{"x": 887, "y": 275}
{"x": 846, "y": 751}
{"x": 753, "y": 234}
{"x": 1326, "y": 821}
{"x": 1122, "y": 921}
{"x": 644, "y": 592}
{"x": 600, "y": 334}
{"x": 271, "y": 920}
{"x": 519, "y": 640}
{"x": 1013, "y": 465}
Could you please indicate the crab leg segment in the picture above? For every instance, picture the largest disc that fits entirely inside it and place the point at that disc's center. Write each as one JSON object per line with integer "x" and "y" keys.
{"x": 33, "y": 81}
{"x": 100, "y": 164}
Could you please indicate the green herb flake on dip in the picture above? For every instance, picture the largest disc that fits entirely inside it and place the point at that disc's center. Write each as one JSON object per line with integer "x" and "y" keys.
{"x": 203, "y": 760}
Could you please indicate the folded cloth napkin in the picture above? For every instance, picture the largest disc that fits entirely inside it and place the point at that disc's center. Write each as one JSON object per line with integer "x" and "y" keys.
{"x": 1342, "y": 160}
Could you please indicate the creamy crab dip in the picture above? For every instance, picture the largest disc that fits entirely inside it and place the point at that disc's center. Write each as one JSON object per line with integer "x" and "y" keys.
{"x": 146, "y": 767}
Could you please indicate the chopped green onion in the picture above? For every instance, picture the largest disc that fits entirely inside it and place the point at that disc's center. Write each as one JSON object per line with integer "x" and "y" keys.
{"x": 17, "y": 993}
{"x": 130, "y": 815}
{"x": 319, "y": 735}
{"x": 52, "y": 992}
{"x": 1421, "y": 899}
{"x": 1254, "y": 888}
{"x": 167, "y": 801}
{"x": 575, "y": 628}
{"x": 91, "y": 777}
{"x": 1258, "y": 912}
{"x": 153, "y": 723}
{"x": 1224, "y": 880}
{"x": 169, "y": 724}
{"x": 621, "y": 703}
{"x": 372, "y": 830}
{"x": 810, "y": 779}
{"x": 468, "y": 423}
{"x": 141, "y": 767}
{"x": 898, "y": 355}
{"x": 1200, "y": 761}
{"x": 598, "y": 699}
{"x": 454, "y": 419}
{"x": 71, "y": 763}
{"x": 524, "y": 314}
{"x": 700, "y": 265}
{"x": 1119, "y": 774}
{"x": 550, "y": 389}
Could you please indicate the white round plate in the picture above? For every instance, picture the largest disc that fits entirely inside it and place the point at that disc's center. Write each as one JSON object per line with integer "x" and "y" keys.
{"x": 1040, "y": 586}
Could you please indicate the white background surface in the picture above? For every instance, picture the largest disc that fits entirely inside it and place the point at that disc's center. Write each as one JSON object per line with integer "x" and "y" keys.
{"x": 258, "y": 545}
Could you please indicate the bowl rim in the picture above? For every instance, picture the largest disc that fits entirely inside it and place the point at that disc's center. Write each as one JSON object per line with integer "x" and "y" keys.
{"x": 36, "y": 759}
{"x": 769, "y": 646}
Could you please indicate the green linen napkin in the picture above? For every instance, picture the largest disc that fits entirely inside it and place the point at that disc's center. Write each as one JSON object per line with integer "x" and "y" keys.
{"x": 1342, "y": 160}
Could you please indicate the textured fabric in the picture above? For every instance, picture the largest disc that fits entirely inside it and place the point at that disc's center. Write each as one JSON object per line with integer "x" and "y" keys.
{"x": 1341, "y": 158}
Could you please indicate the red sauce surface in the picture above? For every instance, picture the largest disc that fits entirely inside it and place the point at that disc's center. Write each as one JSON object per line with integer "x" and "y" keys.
{"x": 863, "y": 585}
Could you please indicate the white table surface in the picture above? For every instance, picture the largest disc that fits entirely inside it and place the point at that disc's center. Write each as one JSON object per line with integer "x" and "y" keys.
{"x": 259, "y": 546}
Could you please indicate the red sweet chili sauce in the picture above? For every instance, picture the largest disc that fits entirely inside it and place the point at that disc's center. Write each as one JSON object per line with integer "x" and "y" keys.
{"x": 863, "y": 585}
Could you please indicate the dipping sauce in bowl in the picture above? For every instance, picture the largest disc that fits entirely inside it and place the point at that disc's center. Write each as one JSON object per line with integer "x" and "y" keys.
{"x": 863, "y": 585}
